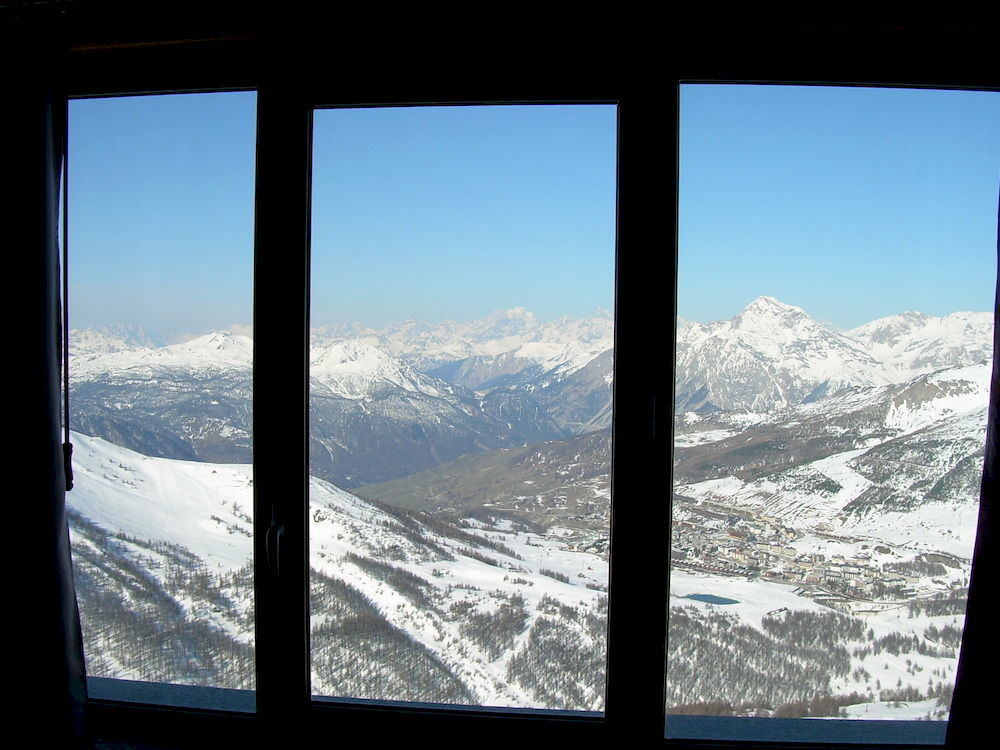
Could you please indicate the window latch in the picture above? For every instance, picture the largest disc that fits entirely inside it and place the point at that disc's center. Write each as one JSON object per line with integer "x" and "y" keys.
{"x": 272, "y": 547}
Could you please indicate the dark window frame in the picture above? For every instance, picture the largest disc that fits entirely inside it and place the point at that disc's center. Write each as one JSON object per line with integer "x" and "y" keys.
{"x": 645, "y": 292}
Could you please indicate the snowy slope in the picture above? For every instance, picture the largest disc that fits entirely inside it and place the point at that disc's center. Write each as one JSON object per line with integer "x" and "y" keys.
{"x": 373, "y": 416}
{"x": 901, "y": 465}
{"x": 472, "y": 606}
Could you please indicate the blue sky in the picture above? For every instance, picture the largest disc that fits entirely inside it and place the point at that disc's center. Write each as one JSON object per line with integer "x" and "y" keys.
{"x": 454, "y": 212}
{"x": 851, "y": 203}
{"x": 161, "y": 211}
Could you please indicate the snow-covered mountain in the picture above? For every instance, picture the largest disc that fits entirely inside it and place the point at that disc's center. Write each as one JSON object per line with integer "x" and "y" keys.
{"x": 899, "y": 462}
{"x": 412, "y": 607}
{"x": 565, "y": 342}
{"x": 372, "y": 416}
{"x": 428, "y": 393}
{"x": 108, "y": 339}
{"x": 912, "y": 343}
{"x": 403, "y": 607}
{"x": 826, "y": 483}
{"x": 369, "y": 401}
{"x": 769, "y": 356}
{"x": 357, "y": 370}
{"x": 220, "y": 350}
{"x": 774, "y": 355}
{"x": 503, "y": 349}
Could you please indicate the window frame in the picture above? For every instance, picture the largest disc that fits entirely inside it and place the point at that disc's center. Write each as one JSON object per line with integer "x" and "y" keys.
{"x": 643, "y": 405}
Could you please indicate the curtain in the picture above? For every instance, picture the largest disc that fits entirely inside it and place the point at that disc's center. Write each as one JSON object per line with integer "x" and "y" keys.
{"x": 40, "y": 602}
{"x": 975, "y": 680}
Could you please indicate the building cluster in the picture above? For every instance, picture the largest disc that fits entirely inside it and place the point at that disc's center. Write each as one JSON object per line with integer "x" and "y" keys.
{"x": 711, "y": 538}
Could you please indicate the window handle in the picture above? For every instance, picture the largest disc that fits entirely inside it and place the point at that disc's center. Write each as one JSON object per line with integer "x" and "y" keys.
{"x": 272, "y": 547}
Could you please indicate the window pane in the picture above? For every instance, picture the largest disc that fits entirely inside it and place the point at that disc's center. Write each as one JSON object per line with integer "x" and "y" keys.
{"x": 161, "y": 238}
{"x": 463, "y": 265}
{"x": 834, "y": 343}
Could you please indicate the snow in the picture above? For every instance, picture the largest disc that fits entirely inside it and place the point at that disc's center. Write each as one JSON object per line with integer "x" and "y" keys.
{"x": 913, "y": 343}
{"x": 903, "y": 710}
{"x": 174, "y": 501}
{"x": 565, "y": 343}
{"x": 220, "y": 350}
{"x": 164, "y": 499}
{"x": 702, "y": 438}
{"x": 354, "y": 369}
{"x": 755, "y": 598}
{"x": 933, "y": 527}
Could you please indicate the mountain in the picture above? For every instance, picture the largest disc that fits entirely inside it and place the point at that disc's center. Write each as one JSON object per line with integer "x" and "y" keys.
{"x": 579, "y": 400}
{"x": 189, "y": 400}
{"x": 773, "y": 355}
{"x": 107, "y": 339}
{"x": 901, "y": 462}
{"x": 374, "y": 418}
{"x": 193, "y": 401}
{"x": 404, "y": 607}
{"x": 515, "y": 333}
{"x": 825, "y": 484}
{"x": 93, "y": 352}
{"x": 369, "y": 398}
{"x": 912, "y": 343}
{"x": 769, "y": 356}
{"x": 425, "y": 394}
{"x": 509, "y": 354}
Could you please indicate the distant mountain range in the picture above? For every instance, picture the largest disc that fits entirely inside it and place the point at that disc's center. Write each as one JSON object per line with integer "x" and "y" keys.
{"x": 374, "y": 413}
{"x": 387, "y": 403}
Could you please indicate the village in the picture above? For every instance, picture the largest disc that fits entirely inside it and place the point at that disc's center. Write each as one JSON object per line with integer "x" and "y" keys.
{"x": 710, "y": 537}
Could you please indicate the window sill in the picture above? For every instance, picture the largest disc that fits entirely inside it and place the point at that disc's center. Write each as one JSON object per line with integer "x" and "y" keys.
{"x": 890, "y": 733}
{"x": 171, "y": 696}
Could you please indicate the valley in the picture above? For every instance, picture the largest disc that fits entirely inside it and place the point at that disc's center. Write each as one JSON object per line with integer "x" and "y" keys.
{"x": 824, "y": 510}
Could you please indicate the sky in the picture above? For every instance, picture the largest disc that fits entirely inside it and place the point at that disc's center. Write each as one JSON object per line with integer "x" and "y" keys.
{"x": 430, "y": 213}
{"x": 850, "y": 203}
{"x": 161, "y": 205}
{"x": 453, "y": 212}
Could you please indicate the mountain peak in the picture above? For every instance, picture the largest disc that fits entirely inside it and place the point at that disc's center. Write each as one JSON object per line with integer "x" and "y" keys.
{"x": 766, "y": 312}
{"x": 502, "y": 323}
{"x": 212, "y": 348}
{"x": 770, "y": 304}
{"x": 516, "y": 313}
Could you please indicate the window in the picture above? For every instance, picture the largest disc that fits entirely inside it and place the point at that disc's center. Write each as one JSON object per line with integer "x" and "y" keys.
{"x": 817, "y": 496}
{"x": 160, "y": 189}
{"x": 645, "y": 290}
{"x": 460, "y": 403}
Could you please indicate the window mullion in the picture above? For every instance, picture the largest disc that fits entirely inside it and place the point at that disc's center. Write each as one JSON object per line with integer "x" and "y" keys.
{"x": 643, "y": 387}
{"x": 281, "y": 412}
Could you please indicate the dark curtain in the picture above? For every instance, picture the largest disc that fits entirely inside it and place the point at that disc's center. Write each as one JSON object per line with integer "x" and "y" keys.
{"x": 48, "y": 677}
{"x": 975, "y": 680}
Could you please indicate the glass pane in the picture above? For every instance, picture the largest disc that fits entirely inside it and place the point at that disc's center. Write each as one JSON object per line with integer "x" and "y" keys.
{"x": 463, "y": 265}
{"x": 834, "y": 340}
{"x": 161, "y": 248}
